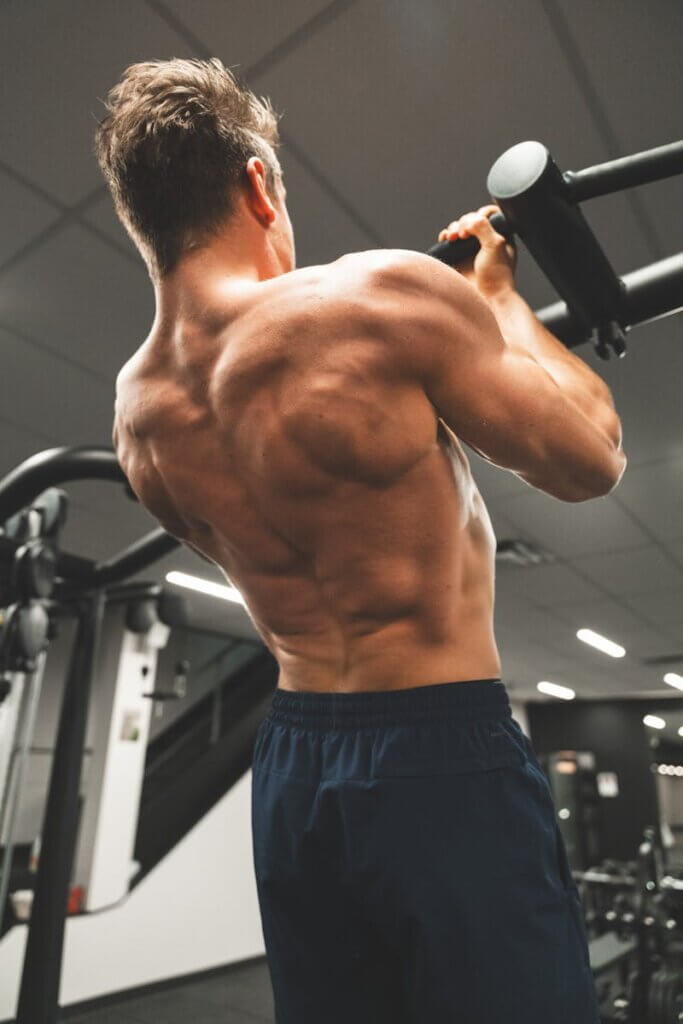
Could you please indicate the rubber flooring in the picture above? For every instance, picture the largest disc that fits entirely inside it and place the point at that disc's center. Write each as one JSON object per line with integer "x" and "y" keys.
{"x": 242, "y": 995}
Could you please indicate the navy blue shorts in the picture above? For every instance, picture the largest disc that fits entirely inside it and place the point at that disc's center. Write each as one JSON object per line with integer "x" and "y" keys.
{"x": 409, "y": 865}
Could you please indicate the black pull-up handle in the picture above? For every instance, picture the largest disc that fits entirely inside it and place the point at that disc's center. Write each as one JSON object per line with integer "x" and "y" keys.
{"x": 462, "y": 249}
{"x": 540, "y": 204}
{"x": 534, "y": 199}
{"x": 600, "y": 180}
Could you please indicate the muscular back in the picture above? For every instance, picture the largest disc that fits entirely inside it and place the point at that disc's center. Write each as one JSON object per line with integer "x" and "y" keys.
{"x": 289, "y": 441}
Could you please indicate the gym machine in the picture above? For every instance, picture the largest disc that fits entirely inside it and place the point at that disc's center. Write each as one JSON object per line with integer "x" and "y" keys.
{"x": 540, "y": 205}
{"x": 39, "y": 584}
{"x": 634, "y": 918}
{"x": 24, "y": 636}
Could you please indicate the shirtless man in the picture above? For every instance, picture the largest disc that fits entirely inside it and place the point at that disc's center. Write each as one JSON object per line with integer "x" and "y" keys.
{"x": 303, "y": 430}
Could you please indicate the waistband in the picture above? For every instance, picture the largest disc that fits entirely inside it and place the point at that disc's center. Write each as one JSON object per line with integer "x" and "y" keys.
{"x": 465, "y": 701}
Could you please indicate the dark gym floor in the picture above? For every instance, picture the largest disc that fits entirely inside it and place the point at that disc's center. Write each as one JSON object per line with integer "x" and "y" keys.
{"x": 242, "y": 995}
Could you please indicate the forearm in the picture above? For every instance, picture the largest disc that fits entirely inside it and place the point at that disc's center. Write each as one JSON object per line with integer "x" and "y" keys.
{"x": 522, "y": 330}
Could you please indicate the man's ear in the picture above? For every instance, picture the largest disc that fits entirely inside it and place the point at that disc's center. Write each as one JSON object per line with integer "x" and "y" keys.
{"x": 257, "y": 194}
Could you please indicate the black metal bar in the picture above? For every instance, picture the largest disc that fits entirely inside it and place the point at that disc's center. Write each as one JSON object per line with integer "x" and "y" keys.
{"x": 136, "y": 558}
{"x": 61, "y": 465}
{"x": 626, "y": 172}
{"x": 216, "y": 711}
{"x": 55, "y": 466}
{"x": 127, "y": 592}
{"x": 74, "y": 569}
{"x": 39, "y": 992}
{"x": 651, "y": 292}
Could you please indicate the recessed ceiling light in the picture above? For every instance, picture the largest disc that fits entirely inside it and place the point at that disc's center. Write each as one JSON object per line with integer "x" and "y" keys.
{"x": 654, "y": 722}
{"x": 553, "y": 690}
{"x": 225, "y": 593}
{"x": 601, "y": 643}
{"x": 673, "y": 679}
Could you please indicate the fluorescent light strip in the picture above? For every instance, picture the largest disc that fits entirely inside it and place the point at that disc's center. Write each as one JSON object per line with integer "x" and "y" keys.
{"x": 601, "y": 643}
{"x": 654, "y": 721}
{"x": 673, "y": 679}
{"x": 553, "y": 690}
{"x": 225, "y": 593}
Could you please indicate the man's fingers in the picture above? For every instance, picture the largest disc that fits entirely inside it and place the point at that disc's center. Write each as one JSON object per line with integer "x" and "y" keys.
{"x": 478, "y": 224}
{"x": 494, "y": 267}
{"x": 450, "y": 232}
{"x": 473, "y": 224}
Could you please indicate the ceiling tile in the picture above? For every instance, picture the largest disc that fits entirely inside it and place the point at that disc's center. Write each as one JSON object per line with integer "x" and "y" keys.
{"x": 81, "y": 50}
{"x": 571, "y": 529}
{"x": 102, "y": 216}
{"x": 546, "y": 585}
{"x": 494, "y": 483}
{"x": 322, "y": 230}
{"x": 243, "y": 32}
{"x": 503, "y": 528}
{"x": 96, "y": 536}
{"x": 632, "y": 53}
{"x": 661, "y": 605}
{"x": 533, "y": 625}
{"x": 513, "y": 613}
{"x": 609, "y": 618}
{"x": 108, "y": 500}
{"x": 23, "y": 215}
{"x": 675, "y": 547}
{"x": 536, "y": 665}
{"x": 95, "y": 306}
{"x": 674, "y": 633}
{"x": 654, "y": 494}
{"x": 645, "y": 386}
{"x": 632, "y": 571}
{"x": 18, "y": 444}
{"x": 59, "y": 401}
{"x": 646, "y": 643}
{"x": 383, "y": 102}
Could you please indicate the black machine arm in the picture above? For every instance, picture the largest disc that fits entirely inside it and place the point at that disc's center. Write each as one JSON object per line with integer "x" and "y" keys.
{"x": 51, "y": 468}
{"x": 61, "y": 465}
{"x": 540, "y": 204}
{"x": 648, "y": 293}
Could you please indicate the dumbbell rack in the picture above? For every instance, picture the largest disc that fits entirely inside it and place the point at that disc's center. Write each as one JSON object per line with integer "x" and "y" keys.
{"x": 648, "y": 911}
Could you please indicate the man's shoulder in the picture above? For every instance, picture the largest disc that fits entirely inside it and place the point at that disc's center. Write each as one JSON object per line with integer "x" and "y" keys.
{"x": 379, "y": 265}
{"x": 314, "y": 296}
{"x": 368, "y": 285}
{"x": 355, "y": 268}
{"x": 381, "y": 296}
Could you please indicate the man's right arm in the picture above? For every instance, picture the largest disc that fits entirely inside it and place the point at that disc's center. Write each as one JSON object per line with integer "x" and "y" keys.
{"x": 524, "y": 332}
{"x": 499, "y": 384}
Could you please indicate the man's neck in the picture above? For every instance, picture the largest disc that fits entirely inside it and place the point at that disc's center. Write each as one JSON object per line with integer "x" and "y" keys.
{"x": 203, "y": 280}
